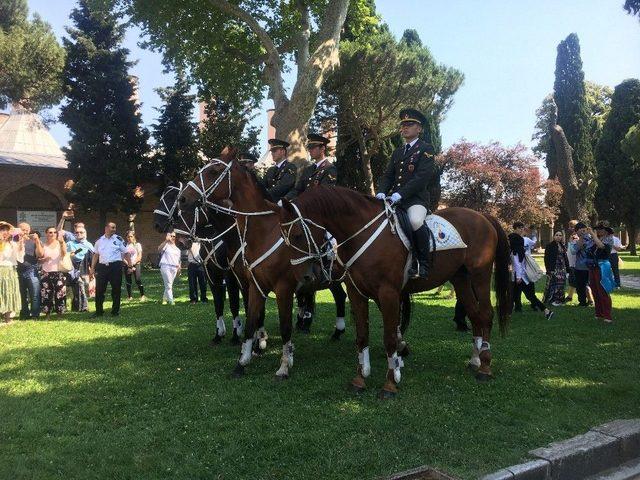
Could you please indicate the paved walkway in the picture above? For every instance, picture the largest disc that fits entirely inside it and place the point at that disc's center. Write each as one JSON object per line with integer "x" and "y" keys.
{"x": 630, "y": 281}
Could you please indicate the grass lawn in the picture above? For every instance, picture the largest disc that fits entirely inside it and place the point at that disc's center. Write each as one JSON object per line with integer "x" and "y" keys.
{"x": 143, "y": 396}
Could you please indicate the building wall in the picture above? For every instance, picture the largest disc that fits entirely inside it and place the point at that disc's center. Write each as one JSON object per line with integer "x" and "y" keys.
{"x": 52, "y": 180}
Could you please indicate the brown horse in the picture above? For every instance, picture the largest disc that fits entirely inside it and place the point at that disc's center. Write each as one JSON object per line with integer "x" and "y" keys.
{"x": 377, "y": 271}
{"x": 229, "y": 194}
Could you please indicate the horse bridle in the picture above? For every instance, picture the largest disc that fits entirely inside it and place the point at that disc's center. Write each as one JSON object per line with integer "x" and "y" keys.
{"x": 169, "y": 211}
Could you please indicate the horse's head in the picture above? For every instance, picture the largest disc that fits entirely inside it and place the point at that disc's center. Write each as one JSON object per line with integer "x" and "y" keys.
{"x": 164, "y": 216}
{"x": 309, "y": 244}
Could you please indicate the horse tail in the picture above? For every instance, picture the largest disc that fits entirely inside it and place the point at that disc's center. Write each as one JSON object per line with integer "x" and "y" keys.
{"x": 502, "y": 275}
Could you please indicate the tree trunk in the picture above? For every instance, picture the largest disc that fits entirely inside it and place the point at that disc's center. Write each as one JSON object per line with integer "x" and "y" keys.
{"x": 293, "y": 129}
{"x": 365, "y": 156}
{"x": 631, "y": 229}
{"x": 571, "y": 194}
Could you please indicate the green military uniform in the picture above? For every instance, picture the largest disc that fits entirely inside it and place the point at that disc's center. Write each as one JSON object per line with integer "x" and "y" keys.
{"x": 279, "y": 180}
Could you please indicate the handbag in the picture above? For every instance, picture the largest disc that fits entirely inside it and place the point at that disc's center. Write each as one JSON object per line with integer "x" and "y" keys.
{"x": 65, "y": 265}
{"x": 532, "y": 269}
{"x": 606, "y": 276}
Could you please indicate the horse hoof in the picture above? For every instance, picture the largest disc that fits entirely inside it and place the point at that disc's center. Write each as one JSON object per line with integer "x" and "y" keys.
{"x": 215, "y": 340}
{"x": 472, "y": 368}
{"x": 483, "y": 377}
{"x": 282, "y": 378}
{"x": 337, "y": 333}
{"x": 405, "y": 351}
{"x": 387, "y": 395}
{"x": 238, "y": 371}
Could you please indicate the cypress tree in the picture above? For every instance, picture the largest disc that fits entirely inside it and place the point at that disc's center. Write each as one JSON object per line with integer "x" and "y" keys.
{"x": 573, "y": 115}
{"x": 618, "y": 172}
{"x": 107, "y": 153}
{"x": 176, "y": 155}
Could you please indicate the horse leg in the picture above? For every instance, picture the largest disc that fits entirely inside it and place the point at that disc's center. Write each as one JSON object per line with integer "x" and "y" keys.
{"x": 482, "y": 287}
{"x": 255, "y": 305}
{"x": 217, "y": 287}
{"x": 360, "y": 313}
{"x": 262, "y": 336}
{"x": 340, "y": 298}
{"x": 390, "y": 306}
{"x": 466, "y": 297}
{"x": 234, "y": 305}
{"x": 284, "y": 298}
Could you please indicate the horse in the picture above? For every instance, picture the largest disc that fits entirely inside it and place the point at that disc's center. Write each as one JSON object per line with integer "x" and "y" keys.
{"x": 229, "y": 194}
{"x": 214, "y": 260}
{"x": 374, "y": 259}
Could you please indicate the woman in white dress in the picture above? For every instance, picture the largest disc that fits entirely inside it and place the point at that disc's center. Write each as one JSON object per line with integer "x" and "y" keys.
{"x": 169, "y": 266}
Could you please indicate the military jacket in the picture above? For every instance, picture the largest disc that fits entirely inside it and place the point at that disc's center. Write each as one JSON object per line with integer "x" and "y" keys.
{"x": 412, "y": 175}
{"x": 326, "y": 174}
{"x": 279, "y": 181}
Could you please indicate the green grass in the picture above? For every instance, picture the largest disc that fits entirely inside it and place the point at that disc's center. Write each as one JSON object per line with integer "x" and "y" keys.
{"x": 144, "y": 397}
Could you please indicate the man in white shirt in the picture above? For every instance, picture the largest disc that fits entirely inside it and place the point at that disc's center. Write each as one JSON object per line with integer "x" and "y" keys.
{"x": 616, "y": 246}
{"x": 106, "y": 266}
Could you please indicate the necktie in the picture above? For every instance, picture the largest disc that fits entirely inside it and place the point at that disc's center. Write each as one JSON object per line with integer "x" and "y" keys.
{"x": 406, "y": 148}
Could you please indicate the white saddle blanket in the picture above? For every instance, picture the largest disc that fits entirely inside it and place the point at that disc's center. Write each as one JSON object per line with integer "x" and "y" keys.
{"x": 445, "y": 234}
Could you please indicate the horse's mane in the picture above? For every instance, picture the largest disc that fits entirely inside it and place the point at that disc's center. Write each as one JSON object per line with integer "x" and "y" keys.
{"x": 260, "y": 186}
{"x": 330, "y": 200}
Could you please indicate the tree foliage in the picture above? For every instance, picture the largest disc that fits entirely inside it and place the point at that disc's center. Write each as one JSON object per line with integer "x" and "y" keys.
{"x": 227, "y": 124}
{"x": 176, "y": 144}
{"x": 632, "y": 7}
{"x": 376, "y": 79}
{"x": 618, "y": 171}
{"x": 573, "y": 114}
{"x": 242, "y": 48}
{"x": 498, "y": 180}
{"x": 31, "y": 60}
{"x": 107, "y": 153}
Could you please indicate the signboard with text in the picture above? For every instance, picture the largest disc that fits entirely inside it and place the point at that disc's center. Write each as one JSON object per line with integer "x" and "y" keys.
{"x": 38, "y": 219}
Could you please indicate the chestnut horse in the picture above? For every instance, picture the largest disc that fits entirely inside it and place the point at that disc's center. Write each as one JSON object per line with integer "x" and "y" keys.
{"x": 376, "y": 268}
{"x": 227, "y": 193}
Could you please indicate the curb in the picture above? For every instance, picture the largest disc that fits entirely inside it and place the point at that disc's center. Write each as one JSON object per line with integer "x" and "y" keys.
{"x": 601, "y": 448}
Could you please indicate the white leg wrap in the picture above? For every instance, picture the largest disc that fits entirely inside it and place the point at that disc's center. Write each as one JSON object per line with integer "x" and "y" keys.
{"x": 286, "y": 361}
{"x": 245, "y": 354}
{"x": 340, "y": 325}
{"x": 262, "y": 335}
{"x": 237, "y": 324}
{"x": 395, "y": 363}
{"x": 475, "y": 353}
{"x": 363, "y": 360}
{"x": 220, "y": 327}
{"x": 485, "y": 346}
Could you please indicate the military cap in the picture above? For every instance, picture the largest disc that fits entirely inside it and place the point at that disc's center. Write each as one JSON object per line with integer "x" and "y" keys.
{"x": 277, "y": 143}
{"x": 603, "y": 226}
{"x": 247, "y": 157}
{"x": 412, "y": 115}
{"x": 314, "y": 139}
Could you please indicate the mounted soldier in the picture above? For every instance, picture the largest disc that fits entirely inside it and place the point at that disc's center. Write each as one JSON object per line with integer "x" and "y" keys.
{"x": 322, "y": 172}
{"x": 407, "y": 181}
{"x": 248, "y": 160}
{"x": 281, "y": 177}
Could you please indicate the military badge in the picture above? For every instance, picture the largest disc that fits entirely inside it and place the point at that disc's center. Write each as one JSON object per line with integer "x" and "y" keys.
{"x": 411, "y": 167}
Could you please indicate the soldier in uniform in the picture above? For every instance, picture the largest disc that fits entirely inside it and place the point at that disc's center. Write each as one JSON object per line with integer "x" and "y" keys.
{"x": 281, "y": 177}
{"x": 408, "y": 180}
{"x": 248, "y": 160}
{"x": 322, "y": 172}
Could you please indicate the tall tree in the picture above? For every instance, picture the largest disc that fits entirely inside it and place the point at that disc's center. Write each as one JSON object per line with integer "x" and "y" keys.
{"x": 31, "y": 60}
{"x": 498, "y": 180}
{"x": 107, "y": 153}
{"x": 175, "y": 134}
{"x": 618, "y": 172}
{"x": 227, "y": 124}
{"x": 375, "y": 81}
{"x": 244, "y": 47}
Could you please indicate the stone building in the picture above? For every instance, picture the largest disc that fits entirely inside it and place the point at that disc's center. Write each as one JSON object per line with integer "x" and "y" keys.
{"x": 33, "y": 173}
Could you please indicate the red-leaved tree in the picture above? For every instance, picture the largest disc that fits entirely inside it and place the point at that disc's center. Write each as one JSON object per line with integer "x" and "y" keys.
{"x": 498, "y": 180}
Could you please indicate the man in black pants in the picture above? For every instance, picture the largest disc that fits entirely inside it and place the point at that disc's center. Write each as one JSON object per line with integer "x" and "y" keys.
{"x": 106, "y": 267}
{"x": 581, "y": 269}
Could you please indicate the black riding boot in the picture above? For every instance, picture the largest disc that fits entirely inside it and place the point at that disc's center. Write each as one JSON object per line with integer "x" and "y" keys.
{"x": 421, "y": 240}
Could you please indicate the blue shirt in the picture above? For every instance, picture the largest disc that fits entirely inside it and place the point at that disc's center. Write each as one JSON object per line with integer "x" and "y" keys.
{"x": 581, "y": 253}
{"x": 74, "y": 244}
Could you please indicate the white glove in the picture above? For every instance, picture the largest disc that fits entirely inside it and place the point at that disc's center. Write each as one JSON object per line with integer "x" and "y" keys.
{"x": 395, "y": 197}
{"x": 279, "y": 203}
{"x": 380, "y": 196}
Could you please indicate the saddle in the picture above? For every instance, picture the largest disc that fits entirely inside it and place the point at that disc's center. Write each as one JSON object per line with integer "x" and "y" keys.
{"x": 403, "y": 223}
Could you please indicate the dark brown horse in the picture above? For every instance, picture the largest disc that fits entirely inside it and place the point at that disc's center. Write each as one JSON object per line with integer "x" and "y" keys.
{"x": 227, "y": 192}
{"x": 378, "y": 269}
